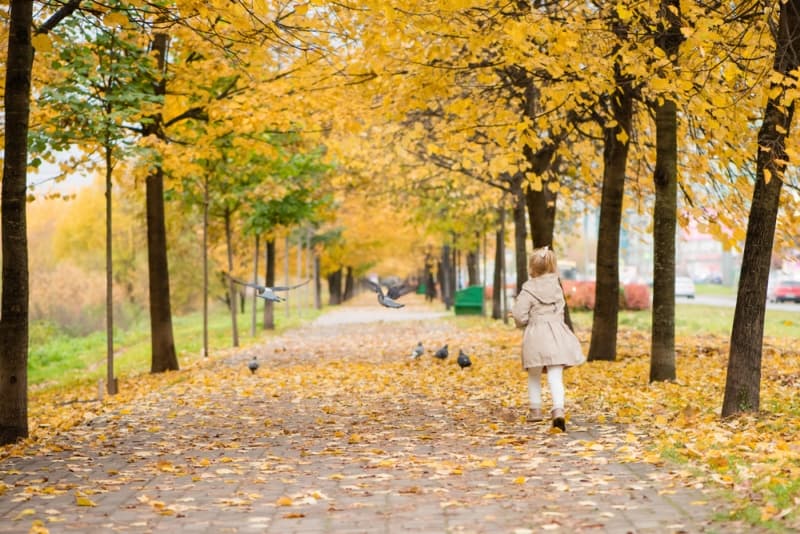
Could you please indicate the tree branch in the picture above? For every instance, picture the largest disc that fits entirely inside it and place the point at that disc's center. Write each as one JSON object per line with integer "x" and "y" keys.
{"x": 63, "y": 12}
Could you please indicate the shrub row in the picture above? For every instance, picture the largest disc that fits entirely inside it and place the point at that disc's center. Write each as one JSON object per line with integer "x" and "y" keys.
{"x": 580, "y": 295}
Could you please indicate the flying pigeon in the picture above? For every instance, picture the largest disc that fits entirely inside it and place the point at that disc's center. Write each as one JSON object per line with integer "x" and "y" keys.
{"x": 442, "y": 353}
{"x": 463, "y": 359}
{"x": 395, "y": 292}
{"x": 268, "y": 293}
{"x": 418, "y": 351}
{"x": 252, "y": 365}
{"x": 383, "y": 299}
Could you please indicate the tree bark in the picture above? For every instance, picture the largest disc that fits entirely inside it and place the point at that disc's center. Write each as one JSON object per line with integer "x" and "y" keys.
{"x": 111, "y": 381}
{"x": 15, "y": 290}
{"x": 269, "y": 281}
{"x": 499, "y": 266}
{"x": 232, "y": 293}
{"x": 254, "y": 309}
{"x": 317, "y": 284}
{"x": 665, "y": 178}
{"x": 349, "y": 285}
{"x": 335, "y": 287}
{"x": 473, "y": 263}
{"x": 603, "y": 345}
{"x": 162, "y": 340}
{"x": 205, "y": 264}
{"x": 542, "y": 214}
{"x": 743, "y": 381}
{"x": 446, "y": 277}
{"x": 520, "y": 237}
{"x": 162, "y": 343}
{"x": 430, "y": 280}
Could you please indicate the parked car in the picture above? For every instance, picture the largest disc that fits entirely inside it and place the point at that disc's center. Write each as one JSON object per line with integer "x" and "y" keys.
{"x": 684, "y": 287}
{"x": 786, "y": 290}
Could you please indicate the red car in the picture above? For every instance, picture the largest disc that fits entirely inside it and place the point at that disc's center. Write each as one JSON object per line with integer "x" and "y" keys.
{"x": 787, "y": 290}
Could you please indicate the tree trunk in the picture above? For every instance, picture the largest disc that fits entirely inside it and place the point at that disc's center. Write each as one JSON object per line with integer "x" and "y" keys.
{"x": 269, "y": 281}
{"x": 520, "y": 237}
{"x": 603, "y": 345}
{"x": 446, "y": 278}
{"x": 430, "y": 280}
{"x": 542, "y": 214}
{"x": 743, "y": 382}
{"x": 473, "y": 263}
{"x": 14, "y": 307}
{"x": 255, "y": 280}
{"x": 349, "y": 285}
{"x": 205, "y": 265}
{"x": 232, "y": 293}
{"x": 499, "y": 266}
{"x": 335, "y": 287}
{"x": 111, "y": 381}
{"x": 665, "y": 178}
{"x": 317, "y": 284}
{"x": 162, "y": 340}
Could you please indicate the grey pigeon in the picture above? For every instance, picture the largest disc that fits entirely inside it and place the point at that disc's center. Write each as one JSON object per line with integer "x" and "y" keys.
{"x": 268, "y": 293}
{"x": 418, "y": 351}
{"x": 463, "y": 359}
{"x": 252, "y": 365}
{"x": 442, "y": 353}
{"x": 383, "y": 299}
{"x": 395, "y": 292}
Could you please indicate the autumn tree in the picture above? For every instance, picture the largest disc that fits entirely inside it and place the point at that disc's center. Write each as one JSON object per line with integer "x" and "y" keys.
{"x": 13, "y": 226}
{"x": 743, "y": 381}
{"x": 99, "y": 96}
{"x": 665, "y": 179}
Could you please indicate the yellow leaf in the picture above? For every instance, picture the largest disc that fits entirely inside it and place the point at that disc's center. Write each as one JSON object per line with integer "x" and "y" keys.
{"x": 767, "y": 176}
{"x": 520, "y": 480}
{"x": 82, "y": 500}
{"x": 284, "y": 501}
{"x": 42, "y": 43}
{"x": 624, "y": 13}
{"x": 301, "y": 9}
{"x": 24, "y": 513}
{"x": 115, "y": 18}
{"x": 659, "y": 84}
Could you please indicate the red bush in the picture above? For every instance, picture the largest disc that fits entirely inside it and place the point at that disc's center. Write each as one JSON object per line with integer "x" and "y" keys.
{"x": 579, "y": 295}
{"x": 637, "y": 297}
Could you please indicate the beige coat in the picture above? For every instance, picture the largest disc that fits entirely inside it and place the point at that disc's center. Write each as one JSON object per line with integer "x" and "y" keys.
{"x": 547, "y": 340}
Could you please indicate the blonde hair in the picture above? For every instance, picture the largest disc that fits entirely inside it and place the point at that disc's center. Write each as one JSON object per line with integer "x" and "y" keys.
{"x": 542, "y": 261}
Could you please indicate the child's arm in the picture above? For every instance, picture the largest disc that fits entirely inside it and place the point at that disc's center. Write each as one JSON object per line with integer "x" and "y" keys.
{"x": 521, "y": 309}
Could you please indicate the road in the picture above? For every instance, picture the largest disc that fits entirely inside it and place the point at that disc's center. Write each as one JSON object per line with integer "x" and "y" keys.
{"x": 730, "y": 302}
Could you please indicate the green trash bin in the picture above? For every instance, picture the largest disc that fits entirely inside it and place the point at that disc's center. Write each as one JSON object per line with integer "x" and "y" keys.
{"x": 469, "y": 301}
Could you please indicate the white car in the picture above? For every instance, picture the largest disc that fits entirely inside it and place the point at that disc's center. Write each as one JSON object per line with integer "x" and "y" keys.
{"x": 684, "y": 287}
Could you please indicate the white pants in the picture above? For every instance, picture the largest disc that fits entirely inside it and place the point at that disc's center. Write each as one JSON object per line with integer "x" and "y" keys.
{"x": 555, "y": 379}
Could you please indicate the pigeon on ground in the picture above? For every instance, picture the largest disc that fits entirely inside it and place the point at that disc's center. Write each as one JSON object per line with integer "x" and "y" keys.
{"x": 268, "y": 293}
{"x": 252, "y": 365}
{"x": 418, "y": 351}
{"x": 463, "y": 359}
{"x": 442, "y": 353}
{"x": 384, "y": 299}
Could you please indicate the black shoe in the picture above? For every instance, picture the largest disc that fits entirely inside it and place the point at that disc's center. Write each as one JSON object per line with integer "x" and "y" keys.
{"x": 558, "y": 420}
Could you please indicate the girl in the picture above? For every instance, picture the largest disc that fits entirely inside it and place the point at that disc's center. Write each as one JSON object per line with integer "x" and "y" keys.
{"x": 547, "y": 342}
